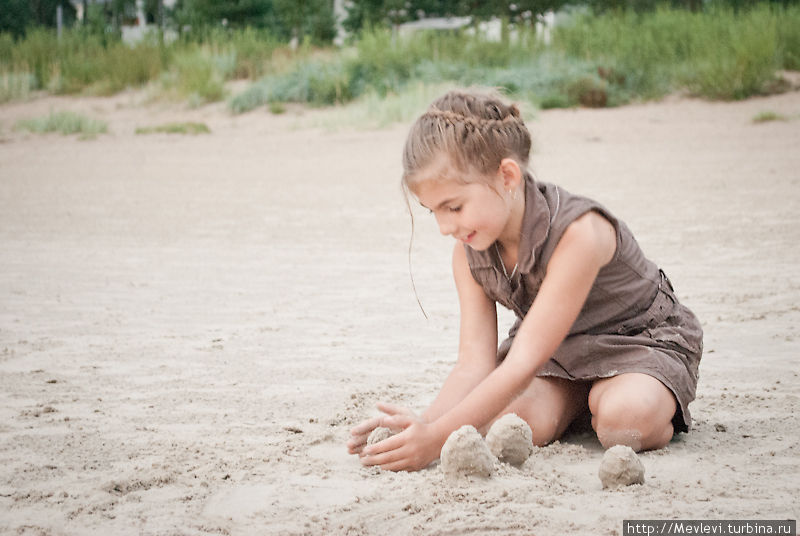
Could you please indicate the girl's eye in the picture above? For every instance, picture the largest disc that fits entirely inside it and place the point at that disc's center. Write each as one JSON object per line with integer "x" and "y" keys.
{"x": 455, "y": 209}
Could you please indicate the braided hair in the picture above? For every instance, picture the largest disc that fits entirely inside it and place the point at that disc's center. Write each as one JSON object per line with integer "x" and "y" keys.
{"x": 474, "y": 130}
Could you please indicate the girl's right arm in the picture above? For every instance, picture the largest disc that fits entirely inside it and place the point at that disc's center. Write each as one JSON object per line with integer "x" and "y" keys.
{"x": 477, "y": 354}
{"x": 477, "y": 345}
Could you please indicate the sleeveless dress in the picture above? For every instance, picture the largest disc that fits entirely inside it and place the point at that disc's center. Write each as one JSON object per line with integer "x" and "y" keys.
{"x": 631, "y": 320}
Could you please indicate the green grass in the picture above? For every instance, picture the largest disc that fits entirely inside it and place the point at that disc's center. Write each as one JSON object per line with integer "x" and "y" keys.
{"x": 66, "y": 123}
{"x": 594, "y": 60}
{"x": 719, "y": 54}
{"x": 16, "y": 86}
{"x": 767, "y": 116}
{"x": 196, "y": 76}
{"x": 192, "y": 128}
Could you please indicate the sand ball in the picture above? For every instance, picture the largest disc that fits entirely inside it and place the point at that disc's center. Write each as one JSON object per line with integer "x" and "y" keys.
{"x": 620, "y": 467}
{"x": 465, "y": 453}
{"x": 510, "y": 439}
{"x": 379, "y": 434}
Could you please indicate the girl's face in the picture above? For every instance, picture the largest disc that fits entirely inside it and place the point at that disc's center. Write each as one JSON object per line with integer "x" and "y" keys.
{"x": 476, "y": 213}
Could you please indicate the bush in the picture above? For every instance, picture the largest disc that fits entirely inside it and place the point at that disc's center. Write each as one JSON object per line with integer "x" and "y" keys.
{"x": 65, "y": 123}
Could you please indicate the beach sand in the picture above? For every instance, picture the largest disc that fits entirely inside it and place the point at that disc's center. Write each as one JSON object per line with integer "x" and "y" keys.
{"x": 190, "y": 325}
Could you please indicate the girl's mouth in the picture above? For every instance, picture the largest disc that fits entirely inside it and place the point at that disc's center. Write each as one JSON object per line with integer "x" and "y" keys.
{"x": 469, "y": 237}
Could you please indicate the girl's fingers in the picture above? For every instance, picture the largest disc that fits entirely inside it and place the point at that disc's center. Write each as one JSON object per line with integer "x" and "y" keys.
{"x": 394, "y": 409}
{"x": 397, "y": 422}
{"x": 399, "y": 465}
{"x": 366, "y": 427}
{"x": 356, "y": 445}
{"x": 383, "y": 458}
{"x": 387, "y": 445}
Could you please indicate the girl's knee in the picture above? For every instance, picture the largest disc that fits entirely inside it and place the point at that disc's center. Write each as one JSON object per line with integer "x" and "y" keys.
{"x": 548, "y": 406}
{"x": 544, "y": 430}
{"x": 643, "y": 432}
{"x": 633, "y": 415}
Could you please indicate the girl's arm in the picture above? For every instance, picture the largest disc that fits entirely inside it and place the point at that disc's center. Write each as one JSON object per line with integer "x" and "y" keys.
{"x": 477, "y": 345}
{"x": 586, "y": 246}
{"x": 477, "y": 355}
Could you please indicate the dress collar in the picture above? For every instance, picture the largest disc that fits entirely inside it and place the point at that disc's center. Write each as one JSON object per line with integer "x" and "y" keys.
{"x": 535, "y": 223}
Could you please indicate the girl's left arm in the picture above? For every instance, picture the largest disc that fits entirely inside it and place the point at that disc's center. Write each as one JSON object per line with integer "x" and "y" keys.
{"x": 587, "y": 245}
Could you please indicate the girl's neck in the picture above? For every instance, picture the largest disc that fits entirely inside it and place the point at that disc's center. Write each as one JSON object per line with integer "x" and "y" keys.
{"x": 510, "y": 237}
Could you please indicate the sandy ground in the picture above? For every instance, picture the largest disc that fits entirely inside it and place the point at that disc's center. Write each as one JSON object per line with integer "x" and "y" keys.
{"x": 189, "y": 325}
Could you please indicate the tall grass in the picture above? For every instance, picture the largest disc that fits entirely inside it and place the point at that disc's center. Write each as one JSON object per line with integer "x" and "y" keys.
{"x": 601, "y": 60}
{"x": 79, "y": 61}
{"x": 719, "y": 54}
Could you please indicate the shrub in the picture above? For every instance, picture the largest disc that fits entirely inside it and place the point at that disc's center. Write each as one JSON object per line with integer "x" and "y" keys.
{"x": 65, "y": 123}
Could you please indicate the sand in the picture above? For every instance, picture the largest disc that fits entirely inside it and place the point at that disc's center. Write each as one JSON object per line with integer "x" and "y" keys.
{"x": 620, "y": 467}
{"x": 379, "y": 434}
{"x": 510, "y": 439}
{"x": 466, "y": 454}
{"x": 190, "y": 325}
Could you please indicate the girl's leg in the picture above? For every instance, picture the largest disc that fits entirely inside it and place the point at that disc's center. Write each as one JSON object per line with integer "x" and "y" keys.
{"x": 632, "y": 409}
{"x": 549, "y": 405}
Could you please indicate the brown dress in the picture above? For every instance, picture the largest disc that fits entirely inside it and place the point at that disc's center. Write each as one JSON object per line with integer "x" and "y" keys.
{"x": 631, "y": 320}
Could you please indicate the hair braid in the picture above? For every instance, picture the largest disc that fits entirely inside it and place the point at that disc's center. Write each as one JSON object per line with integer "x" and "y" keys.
{"x": 475, "y": 130}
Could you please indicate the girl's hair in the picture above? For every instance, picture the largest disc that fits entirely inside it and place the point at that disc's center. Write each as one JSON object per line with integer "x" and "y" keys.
{"x": 475, "y": 130}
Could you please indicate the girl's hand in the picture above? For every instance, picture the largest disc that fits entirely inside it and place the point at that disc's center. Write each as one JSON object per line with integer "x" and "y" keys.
{"x": 360, "y": 434}
{"x": 415, "y": 447}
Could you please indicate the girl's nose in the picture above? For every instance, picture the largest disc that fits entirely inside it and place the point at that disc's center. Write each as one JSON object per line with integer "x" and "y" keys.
{"x": 446, "y": 226}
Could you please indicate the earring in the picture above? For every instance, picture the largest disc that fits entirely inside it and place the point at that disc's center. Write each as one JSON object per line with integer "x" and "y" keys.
{"x": 514, "y": 197}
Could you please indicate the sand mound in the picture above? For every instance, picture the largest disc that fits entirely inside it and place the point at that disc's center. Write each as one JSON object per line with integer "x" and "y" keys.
{"x": 510, "y": 439}
{"x": 620, "y": 467}
{"x": 465, "y": 453}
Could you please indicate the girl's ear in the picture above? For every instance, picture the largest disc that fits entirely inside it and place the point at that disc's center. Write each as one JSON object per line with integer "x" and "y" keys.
{"x": 510, "y": 173}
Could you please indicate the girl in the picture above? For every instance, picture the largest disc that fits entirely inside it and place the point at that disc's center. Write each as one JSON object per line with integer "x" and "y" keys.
{"x": 598, "y": 325}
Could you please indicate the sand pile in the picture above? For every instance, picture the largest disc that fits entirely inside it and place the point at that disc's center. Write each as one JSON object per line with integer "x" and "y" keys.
{"x": 620, "y": 467}
{"x": 510, "y": 439}
{"x": 465, "y": 453}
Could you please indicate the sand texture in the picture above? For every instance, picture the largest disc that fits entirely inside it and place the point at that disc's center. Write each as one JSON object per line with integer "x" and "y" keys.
{"x": 190, "y": 325}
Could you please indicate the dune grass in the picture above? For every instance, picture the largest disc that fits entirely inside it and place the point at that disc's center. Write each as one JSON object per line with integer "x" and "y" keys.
{"x": 189, "y": 127}
{"x": 65, "y": 123}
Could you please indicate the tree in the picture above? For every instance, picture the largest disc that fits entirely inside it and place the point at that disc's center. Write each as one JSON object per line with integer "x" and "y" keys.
{"x": 17, "y": 15}
{"x": 284, "y": 18}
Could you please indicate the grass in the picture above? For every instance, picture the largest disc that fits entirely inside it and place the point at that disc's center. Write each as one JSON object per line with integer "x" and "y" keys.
{"x": 16, "y": 86}
{"x": 196, "y": 76}
{"x": 767, "y": 116}
{"x": 593, "y": 60}
{"x": 604, "y": 60}
{"x": 719, "y": 54}
{"x": 66, "y": 123}
{"x": 192, "y": 128}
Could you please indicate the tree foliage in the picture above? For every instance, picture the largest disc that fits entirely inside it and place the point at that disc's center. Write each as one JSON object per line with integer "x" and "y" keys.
{"x": 16, "y": 16}
{"x": 284, "y": 18}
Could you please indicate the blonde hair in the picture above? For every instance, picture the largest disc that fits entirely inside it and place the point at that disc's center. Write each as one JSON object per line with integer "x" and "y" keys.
{"x": 475, "y": 130}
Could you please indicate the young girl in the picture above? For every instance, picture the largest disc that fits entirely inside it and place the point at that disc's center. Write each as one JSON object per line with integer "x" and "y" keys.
{"x": 598, "y": 324}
